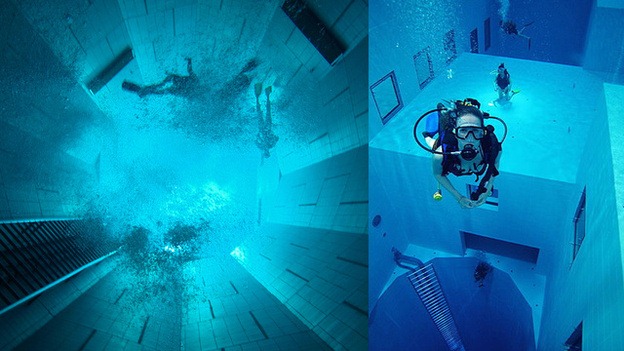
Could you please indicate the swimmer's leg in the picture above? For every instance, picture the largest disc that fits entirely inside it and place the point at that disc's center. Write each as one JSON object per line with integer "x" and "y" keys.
{"x": 258, "y": 90}
{"x": 526, "y": 37}
{"x": 129, "y": 86}
{"x": 507, "y": 91}
{"x": 268, "y": 120}
{"x": 189, "y": 65}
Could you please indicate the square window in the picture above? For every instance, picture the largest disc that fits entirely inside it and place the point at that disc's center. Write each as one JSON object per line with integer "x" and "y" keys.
{"x": 387, "y": 97}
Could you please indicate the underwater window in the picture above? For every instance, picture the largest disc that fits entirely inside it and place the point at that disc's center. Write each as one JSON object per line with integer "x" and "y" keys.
{"x": 579, "y": 225}
{"x": 474, "y": 41}
{"x": 387, "y": 97}
{"x": 487, "y": 36}
{"x": 107, "y": 74}
{"x": 424, "y": 67}
{"x": 449, "y": 46}
{"x": 499, "y": 247}
{"x": 575, "y": 341}
{"x": 317, "y": 32}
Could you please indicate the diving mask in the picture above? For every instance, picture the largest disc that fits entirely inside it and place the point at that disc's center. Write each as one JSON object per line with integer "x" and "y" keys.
{"x": 477, "y": 132}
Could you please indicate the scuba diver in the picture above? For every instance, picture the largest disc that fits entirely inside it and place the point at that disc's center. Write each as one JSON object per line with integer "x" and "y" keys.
{"x": 173, "y": 84}
{"x": 510, "y": 27}
{"x": 502, "y": 83}
{"x": 265, "y": 139}
{"x": 464, "y": 146}
{"x": 482, "y": 270}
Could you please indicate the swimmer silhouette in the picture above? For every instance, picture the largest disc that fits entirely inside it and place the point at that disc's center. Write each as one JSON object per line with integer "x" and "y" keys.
{"x": 265, "y": 139}
{"x": 173, "y": 84}
{"x": 511, "y": 28}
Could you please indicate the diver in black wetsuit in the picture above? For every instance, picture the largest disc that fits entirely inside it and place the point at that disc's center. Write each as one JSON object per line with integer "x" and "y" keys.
{"x": 265, "y": 139}
{"x": 464, "y": 146}
{"x": 172, "y": 84}
{"x": 481, "y": 271}
{"x": 502, "y": 84}
{"x": 511, "y": 28}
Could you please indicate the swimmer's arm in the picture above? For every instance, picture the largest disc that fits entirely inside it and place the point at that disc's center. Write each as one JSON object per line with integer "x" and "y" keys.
{"x": 490, "y": 184}
{"x": 442, "y": 179}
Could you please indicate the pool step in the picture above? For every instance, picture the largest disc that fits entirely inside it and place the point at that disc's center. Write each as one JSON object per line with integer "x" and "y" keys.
{"x": 425, "y": 283}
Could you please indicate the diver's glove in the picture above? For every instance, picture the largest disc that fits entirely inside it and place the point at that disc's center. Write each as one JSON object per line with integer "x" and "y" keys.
{"x": 474, "y": 196}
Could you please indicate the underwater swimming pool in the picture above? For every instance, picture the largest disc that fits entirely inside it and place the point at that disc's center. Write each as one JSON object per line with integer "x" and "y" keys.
{"x": 219, "y": 149}
{"x": 492, "y": 316}
{"x": 559, "y": 146}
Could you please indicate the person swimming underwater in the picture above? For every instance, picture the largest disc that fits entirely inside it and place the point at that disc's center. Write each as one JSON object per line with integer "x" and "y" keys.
{"x": 464, "y": 147}
{"x": 510, "y": 27}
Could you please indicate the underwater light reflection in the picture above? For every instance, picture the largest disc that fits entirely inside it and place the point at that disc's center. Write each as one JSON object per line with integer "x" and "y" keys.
{"x": 238, "y": 254}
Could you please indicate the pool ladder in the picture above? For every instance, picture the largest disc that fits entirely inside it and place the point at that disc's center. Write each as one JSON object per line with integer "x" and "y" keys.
{"x": 425, "y": 282}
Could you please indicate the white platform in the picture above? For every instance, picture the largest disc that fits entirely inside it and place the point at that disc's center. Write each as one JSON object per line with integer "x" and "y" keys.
{"x": 548, "y": 120}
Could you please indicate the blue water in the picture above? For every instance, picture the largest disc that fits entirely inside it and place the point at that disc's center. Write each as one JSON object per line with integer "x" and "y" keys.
{"x": 493, "y": 316}
{"x": 561, "y": 80}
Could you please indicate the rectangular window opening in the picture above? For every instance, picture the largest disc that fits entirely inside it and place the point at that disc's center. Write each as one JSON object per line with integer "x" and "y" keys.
{"x": 317, "y": 32}
{"x": 110, "y": 71}
{"x": 449, "y": 46}
{"x": 487, "y": 36}
{"x": 474, "y": 41}
{"x": 424, "y": 67}
{"x": 500, "y": 247}
{"x": 579, "y": 225}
